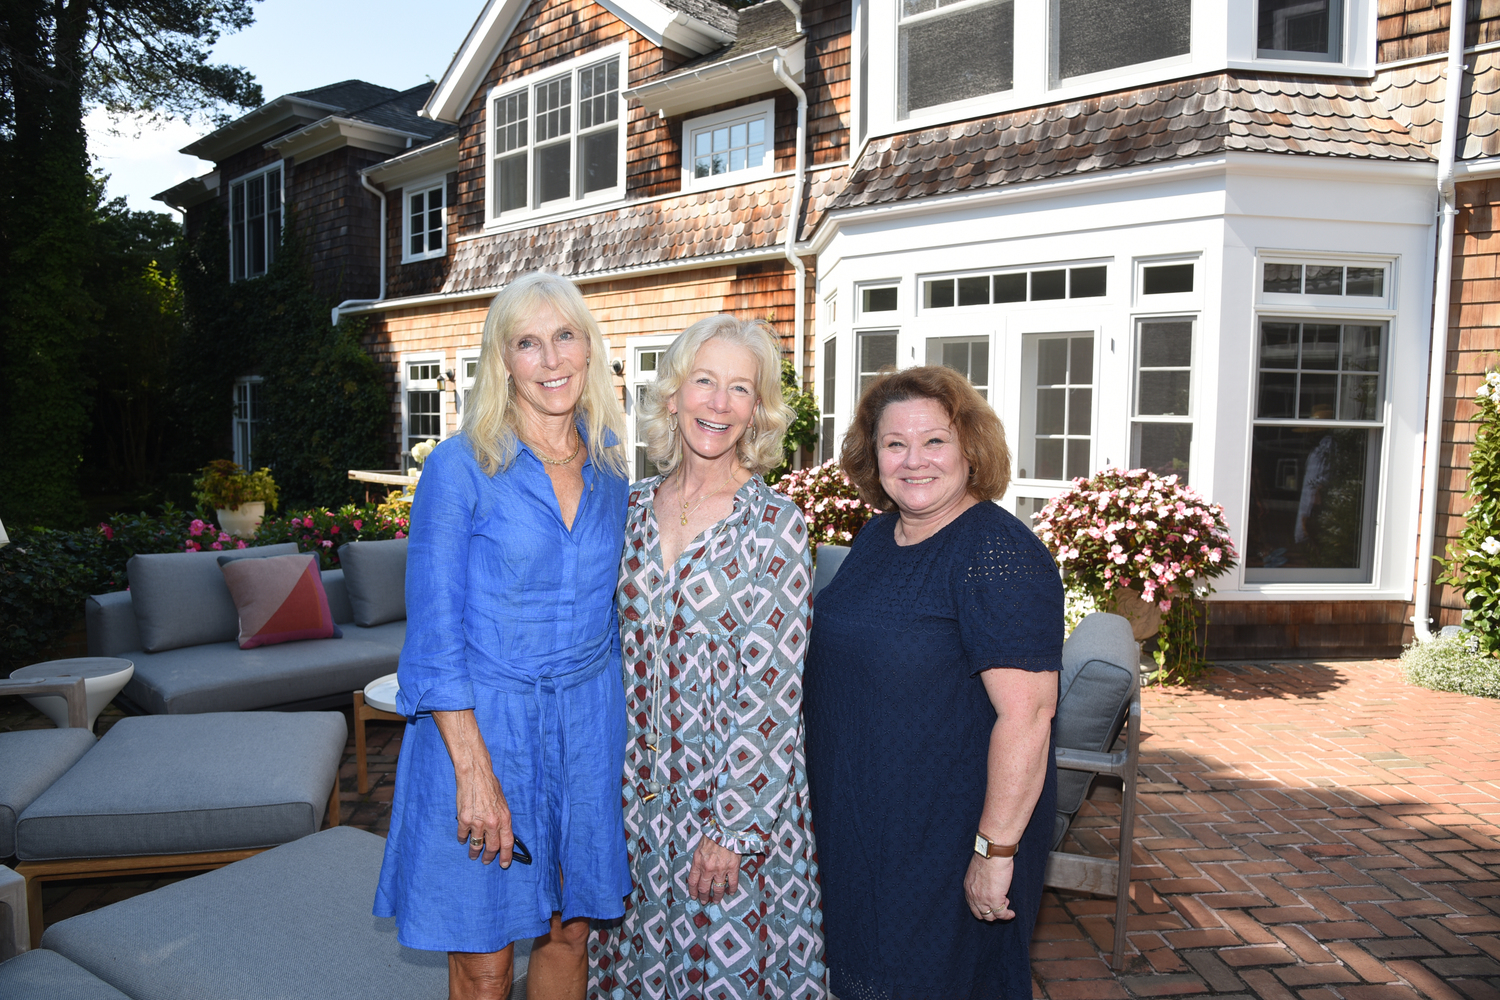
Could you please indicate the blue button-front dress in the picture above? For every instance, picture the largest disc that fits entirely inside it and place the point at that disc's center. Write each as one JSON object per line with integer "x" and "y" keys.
{"x": 511, "y": 614}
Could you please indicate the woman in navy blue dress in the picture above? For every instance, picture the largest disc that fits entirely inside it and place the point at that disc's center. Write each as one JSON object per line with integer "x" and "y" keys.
{"x": 510, "y": 676}
{"x": 928, "y": 696}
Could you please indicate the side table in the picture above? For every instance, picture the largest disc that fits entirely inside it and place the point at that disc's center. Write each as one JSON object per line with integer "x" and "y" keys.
{"x": 103, "y": 678}
{"x": 376, "y": 701}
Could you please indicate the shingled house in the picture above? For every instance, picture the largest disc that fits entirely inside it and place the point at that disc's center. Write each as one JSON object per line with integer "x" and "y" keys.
{"x": 1196, "y": 235}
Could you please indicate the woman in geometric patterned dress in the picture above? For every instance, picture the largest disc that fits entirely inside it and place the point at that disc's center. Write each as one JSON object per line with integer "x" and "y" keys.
{"x": 714, "y": 602}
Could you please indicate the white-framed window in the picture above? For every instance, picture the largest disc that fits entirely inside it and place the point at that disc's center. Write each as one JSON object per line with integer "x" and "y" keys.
{"x": 254, "y": 222}
{"x": 729, "y": 147}
{"x": 249, "y": 411}
{"x": 557, "y": 137}
{"x": 1039, "y": 285}
{"x": 421, "y": 402}
{"x": 1158, "y": 279}
{"x": 878, "y": 299}
{"x": 952, "y": 51}
{"x": 827, "y": 449}
{"x": 969, "y": 356}
{"x": 468, "y": 369}
{"x": 1161, "y": 425}
{"x": 425, "y": 220}
{"x": 645, "y": 357}
{"x": 1325, "y": 282}
{"x": 1094, "y": 37}
{"x": 877, "y": 354}
{"x": 1057, "y": 406}
{"x": 1299, "y": 29}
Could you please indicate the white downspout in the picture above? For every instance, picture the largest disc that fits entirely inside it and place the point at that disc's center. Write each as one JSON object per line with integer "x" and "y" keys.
{"x": 794, "y": 224}
{"x": 1441, "y": 306}
{"x": 384, "y": 252}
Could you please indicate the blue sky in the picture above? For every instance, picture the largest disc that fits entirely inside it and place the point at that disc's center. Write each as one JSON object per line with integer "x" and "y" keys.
{"x": 293, "y": 45}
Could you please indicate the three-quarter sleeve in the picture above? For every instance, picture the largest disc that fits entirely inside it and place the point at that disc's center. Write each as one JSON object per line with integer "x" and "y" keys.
{"x": 433, "y": 672}
{"x": 1010, "y": 600}
{"x": 761, "y": 749}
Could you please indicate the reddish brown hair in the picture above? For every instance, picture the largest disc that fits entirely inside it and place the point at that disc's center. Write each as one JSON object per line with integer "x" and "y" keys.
{"x": 980, "y": 434}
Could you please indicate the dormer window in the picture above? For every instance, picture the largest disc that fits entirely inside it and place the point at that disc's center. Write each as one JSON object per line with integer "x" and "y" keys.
{"x": 1299, "y": 29}
{"x": 556, "y": 139}
{"x": 425, "y": 220}
{"x": 730, "y": 147}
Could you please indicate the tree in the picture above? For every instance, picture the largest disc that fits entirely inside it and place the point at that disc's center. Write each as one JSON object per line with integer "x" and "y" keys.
{"x": 58, "y": 57}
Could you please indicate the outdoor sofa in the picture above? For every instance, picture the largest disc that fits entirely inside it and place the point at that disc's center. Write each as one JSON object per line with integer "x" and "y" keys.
{"x": 178, "y": 624}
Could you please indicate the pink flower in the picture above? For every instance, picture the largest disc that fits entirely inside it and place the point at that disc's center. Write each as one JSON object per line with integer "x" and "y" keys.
{"x": 400, "y": 534}
{"x": 326, "y": 544}
{"x": 240, "y": 544}
{"x": 196, "y": 528}
{"x": 108, "y": 531}
{"x": 334, "y": 530}
{"x": 217, "y": 545}
{"x": 358, "y": 524}
{"x": 191, "y": 546}
{"x": 296, "y": 522}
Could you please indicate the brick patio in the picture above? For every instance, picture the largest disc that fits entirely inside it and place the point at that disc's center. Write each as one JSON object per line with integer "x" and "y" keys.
{"x": 1308, "y": 830}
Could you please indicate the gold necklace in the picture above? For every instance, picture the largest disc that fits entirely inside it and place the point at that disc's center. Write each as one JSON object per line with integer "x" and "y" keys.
{"x": 682, "y": 485}
{"x": 559, "y": 461}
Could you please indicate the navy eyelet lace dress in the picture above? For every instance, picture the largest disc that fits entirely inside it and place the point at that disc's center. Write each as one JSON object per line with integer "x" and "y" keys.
{"x": 898, "y": 731}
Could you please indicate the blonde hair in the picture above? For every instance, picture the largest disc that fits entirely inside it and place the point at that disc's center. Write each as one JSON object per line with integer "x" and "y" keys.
{"x": 759, "y": 447}
{"x": 491, "y": 421}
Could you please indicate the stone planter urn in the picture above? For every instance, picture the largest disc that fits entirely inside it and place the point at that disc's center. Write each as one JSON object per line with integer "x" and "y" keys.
{"x": 244, "y": 522}
{"x": 1144, "y": 617}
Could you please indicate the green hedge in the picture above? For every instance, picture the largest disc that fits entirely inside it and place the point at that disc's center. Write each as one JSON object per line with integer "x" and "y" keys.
{"x": 46, "y": 575}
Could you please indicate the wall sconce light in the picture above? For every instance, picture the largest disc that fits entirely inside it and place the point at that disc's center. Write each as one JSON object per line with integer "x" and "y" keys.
{"x": 617, "y": 366}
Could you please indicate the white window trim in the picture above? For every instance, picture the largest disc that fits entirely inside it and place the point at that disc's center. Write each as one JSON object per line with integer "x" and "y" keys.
{"x": 408, "y": 385}
{"x": 236, "y": 420}
{"x": 765, "y": 110}
{"x": 465, "y": 381}
{"x": 1132, "y": 411}
{"x": 1284, "y": 56}
{"x": 281, "y": 193}
{"x": 422, "y": 186}
{"x": 1081, "y": 301}
{"x": 880, "y": 317}
{"x": 633, "y": 347}
{"x": 519, "y": 217}
{"x": 1150, "y": 306}
{"x": 1360, "y": 305}
{"x": 1026, "y": 395}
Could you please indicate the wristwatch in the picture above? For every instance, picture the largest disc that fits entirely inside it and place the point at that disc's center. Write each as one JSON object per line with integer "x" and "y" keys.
{"x": 985, "y": 849}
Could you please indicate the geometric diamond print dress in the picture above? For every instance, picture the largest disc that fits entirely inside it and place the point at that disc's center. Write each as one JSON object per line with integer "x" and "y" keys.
{"x": 712, "y": 657}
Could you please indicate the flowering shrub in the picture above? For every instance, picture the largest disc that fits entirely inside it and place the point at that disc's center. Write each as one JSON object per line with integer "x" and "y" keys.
{"x": 832, "y": 506}
{"x": 1146, "y": 533}
{"x": 323, "y": 531}
{"x": 1471, "y": 565}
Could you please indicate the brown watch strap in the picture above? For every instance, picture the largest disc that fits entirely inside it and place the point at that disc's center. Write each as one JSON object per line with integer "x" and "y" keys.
{"x": 994, "y": 850}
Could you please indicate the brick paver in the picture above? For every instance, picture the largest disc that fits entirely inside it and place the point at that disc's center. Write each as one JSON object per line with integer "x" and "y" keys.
{"x": 1307, "y": 831}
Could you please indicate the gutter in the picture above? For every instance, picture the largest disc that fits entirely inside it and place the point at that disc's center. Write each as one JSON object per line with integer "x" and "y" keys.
{"x": 385, "y": 252}
{"x": 794, "y": 222}
{"x": 1441, "y": 310}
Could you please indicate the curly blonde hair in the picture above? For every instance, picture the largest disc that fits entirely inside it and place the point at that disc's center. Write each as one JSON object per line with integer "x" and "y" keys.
{"x": 759, "y": 448}
{"x": 490, "y": 418}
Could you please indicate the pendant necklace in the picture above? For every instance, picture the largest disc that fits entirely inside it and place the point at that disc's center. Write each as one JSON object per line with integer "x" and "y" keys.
{"x": 682, "y": 485}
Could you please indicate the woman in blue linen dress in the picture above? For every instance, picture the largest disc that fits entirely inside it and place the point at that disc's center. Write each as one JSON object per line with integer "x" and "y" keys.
{"x": 510, "y": 675}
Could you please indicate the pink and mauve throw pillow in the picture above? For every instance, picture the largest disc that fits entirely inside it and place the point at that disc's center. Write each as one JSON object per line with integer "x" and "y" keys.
{"x": 280, "y": 599}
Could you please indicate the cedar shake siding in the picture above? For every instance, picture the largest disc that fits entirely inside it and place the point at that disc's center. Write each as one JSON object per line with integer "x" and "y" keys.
{"x": 339, "y": 221}
{"x": 1408, "y": 29}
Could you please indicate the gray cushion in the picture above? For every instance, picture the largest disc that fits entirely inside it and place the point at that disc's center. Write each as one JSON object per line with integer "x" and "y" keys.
{"x": 1099, "y": 673}
{"x": 391, "y": 633}
{"x": 222, "y": 677}
{"x": 182, "y": 784}
{"x": 181, "y": 599}
{"x": 375, "y": 573}
{"x": 111, "y": 624}
{"x": 338, "y": 596}
{"x": 830, "y": 558}
{"x": 293, "y": 922}
{"x": 34, "y": 759}
{"x": 46, "y": 975}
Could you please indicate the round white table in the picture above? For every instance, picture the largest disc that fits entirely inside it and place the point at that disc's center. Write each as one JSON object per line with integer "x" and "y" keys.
{"x": 103, "y": 678}
{"x": 381, "y": 693}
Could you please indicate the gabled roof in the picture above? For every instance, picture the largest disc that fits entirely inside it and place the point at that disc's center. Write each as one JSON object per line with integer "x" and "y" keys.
{"x": 1225, "y": 112}
{"x": 693, "y": 27}
{"x": 193, "y": 191}
{"x": 388, "y": 126}
{"x": 274, "y": 117}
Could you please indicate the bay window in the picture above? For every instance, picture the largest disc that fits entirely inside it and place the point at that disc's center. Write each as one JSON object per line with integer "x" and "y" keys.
{"x": 953, "y": 51}
{"x": 1161, "y": 427}
{"x": 1095, "y": 36}
{"x": 1299, "y": 29}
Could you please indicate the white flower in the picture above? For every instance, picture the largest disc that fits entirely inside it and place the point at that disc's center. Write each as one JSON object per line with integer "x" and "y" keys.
{"x": 1493, "y": 378}
{"x": 420, "y": 452}
{"x": 1491, "y": 545}
{"x": 1482, "y": 391}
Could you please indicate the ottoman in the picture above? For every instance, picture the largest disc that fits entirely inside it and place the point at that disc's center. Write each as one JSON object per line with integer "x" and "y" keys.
{"x": 181, "y": 793}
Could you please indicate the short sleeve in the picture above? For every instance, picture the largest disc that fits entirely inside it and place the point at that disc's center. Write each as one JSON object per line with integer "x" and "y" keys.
{"x": 1009, "y": 597}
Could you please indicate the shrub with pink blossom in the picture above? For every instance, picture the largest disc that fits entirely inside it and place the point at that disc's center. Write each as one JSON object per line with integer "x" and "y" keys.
{"x": 1154, "y": 535}
{"x": 323, "y": 531}
{"x": 831, "y": 504}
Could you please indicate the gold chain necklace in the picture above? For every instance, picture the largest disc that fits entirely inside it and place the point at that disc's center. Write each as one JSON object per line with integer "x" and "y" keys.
{"x": 682, "y": 485}
{"x": 559, "y": 461}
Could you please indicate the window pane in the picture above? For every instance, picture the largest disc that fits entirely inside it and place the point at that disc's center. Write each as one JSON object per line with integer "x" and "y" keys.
{"x": 938, "y": 294}
{"x": 418, "y": 238}
{"x": 757, "y": 131}
{"x": 1364, "y": 281}
{"x": 600, "y": 156}
{"x": 1321, "y": 280}
{"x": 1010, "y": 287}
{"x": 1317, "y": 396}
{"x": 830, "y": 373}
{"x": 1164, "y": 394}
{"x": 510, "y": 122}
{"x": 974, "y": 291}
{"x": 554, "y": 105}
{"x": 702, "y": 143}
{"x": 1086, "y": 282}
{"x": 1049, "y": 285}
{"x": 1081, "y": 364}
{"x": 510, "y": 193}
{"x": 1079, "y": 464}
{"x": 979, "y": 362}
{"x": 1049, "y": 458}
{"x": 826, "y": 450}
{"x": 1295, "y": 26}
{"x": 1278, "y": 345}
{"x": 702, "y": 167}
{"x": 1098, "y": 35}
{"x": 598, "y": 100}
{"x": 552, "y": 169}
{"x": 237, "y": 231}
{"x": 1166, "y": 345}
{"x": 1278, "y": 395}
{"x": 955, "y": 354}
{"x": 1362, "y": 348}
{"x": 1162, "y": 448}
{"x": 1285, "y": 278}
{"x": 1080, "y": 411}
{"x": 1052, "y": 362}
{"x": 953, "y": 58}
{"x": 877, "y": 300}
{"x": 1360, "y": 397}
{"x": 1309, "y": 489}
{"x": 877, "y": 353}
{"x": 1320, "y": 345}
{"x": 1167, "y": 279}
{"x": 755, "y": 155}
{"x": 1051, "y": 411}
